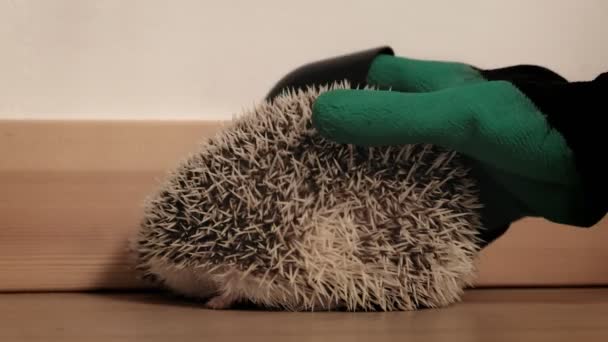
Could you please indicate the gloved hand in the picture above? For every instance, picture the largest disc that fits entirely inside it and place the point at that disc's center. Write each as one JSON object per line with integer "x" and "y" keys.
{"x": 502, "y": 120}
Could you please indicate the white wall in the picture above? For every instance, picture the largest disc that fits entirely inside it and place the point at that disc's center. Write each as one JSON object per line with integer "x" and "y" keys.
{"x": 209, "y": 59}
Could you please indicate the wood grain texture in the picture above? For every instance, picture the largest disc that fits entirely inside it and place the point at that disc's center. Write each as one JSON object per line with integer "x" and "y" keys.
{"x": 484, "y": 315}
{"x": 72, "y": 191}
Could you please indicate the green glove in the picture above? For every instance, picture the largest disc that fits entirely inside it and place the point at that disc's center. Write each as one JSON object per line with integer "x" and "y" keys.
{"x": 523, "y": 165}
{"x": 415, "y": 75}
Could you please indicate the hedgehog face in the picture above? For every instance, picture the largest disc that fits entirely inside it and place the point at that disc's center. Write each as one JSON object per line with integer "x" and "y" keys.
{"x": 197, "y": 284}
{"x": 270, "y": 212}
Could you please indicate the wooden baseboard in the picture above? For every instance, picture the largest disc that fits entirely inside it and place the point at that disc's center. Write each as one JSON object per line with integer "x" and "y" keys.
{"x": 71, "y": 195}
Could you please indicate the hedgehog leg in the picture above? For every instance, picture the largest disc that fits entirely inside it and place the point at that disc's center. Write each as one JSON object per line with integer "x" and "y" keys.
{"x": 222, "y": 301}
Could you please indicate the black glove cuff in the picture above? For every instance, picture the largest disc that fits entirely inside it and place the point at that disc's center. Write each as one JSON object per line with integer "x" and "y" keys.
{"x": 577, "y": 111}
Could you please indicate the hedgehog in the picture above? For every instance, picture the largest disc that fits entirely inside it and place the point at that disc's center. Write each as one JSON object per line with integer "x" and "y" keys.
{"x": 268, "y": 212}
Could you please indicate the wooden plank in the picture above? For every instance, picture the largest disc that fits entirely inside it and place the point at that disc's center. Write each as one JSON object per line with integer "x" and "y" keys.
{"x": 71, "y": 195}
{"x": 535, "y": 252}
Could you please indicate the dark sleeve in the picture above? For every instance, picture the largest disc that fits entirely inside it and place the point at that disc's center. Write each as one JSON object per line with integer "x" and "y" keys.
{"x": 576, "y": 109}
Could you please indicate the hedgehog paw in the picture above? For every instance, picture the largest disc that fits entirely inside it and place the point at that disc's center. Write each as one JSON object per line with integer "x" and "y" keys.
{"x": 221, "y": 302}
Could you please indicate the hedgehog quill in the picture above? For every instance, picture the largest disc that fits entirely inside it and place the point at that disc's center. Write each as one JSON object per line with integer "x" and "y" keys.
{"x": 271, "y": 213}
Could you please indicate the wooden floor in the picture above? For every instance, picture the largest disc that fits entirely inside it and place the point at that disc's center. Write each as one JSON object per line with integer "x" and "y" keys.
{"x": 571, "y": 315}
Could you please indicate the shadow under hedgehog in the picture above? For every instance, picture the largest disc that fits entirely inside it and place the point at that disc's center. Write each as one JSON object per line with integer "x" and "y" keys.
{"x": 314, "y": 200}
